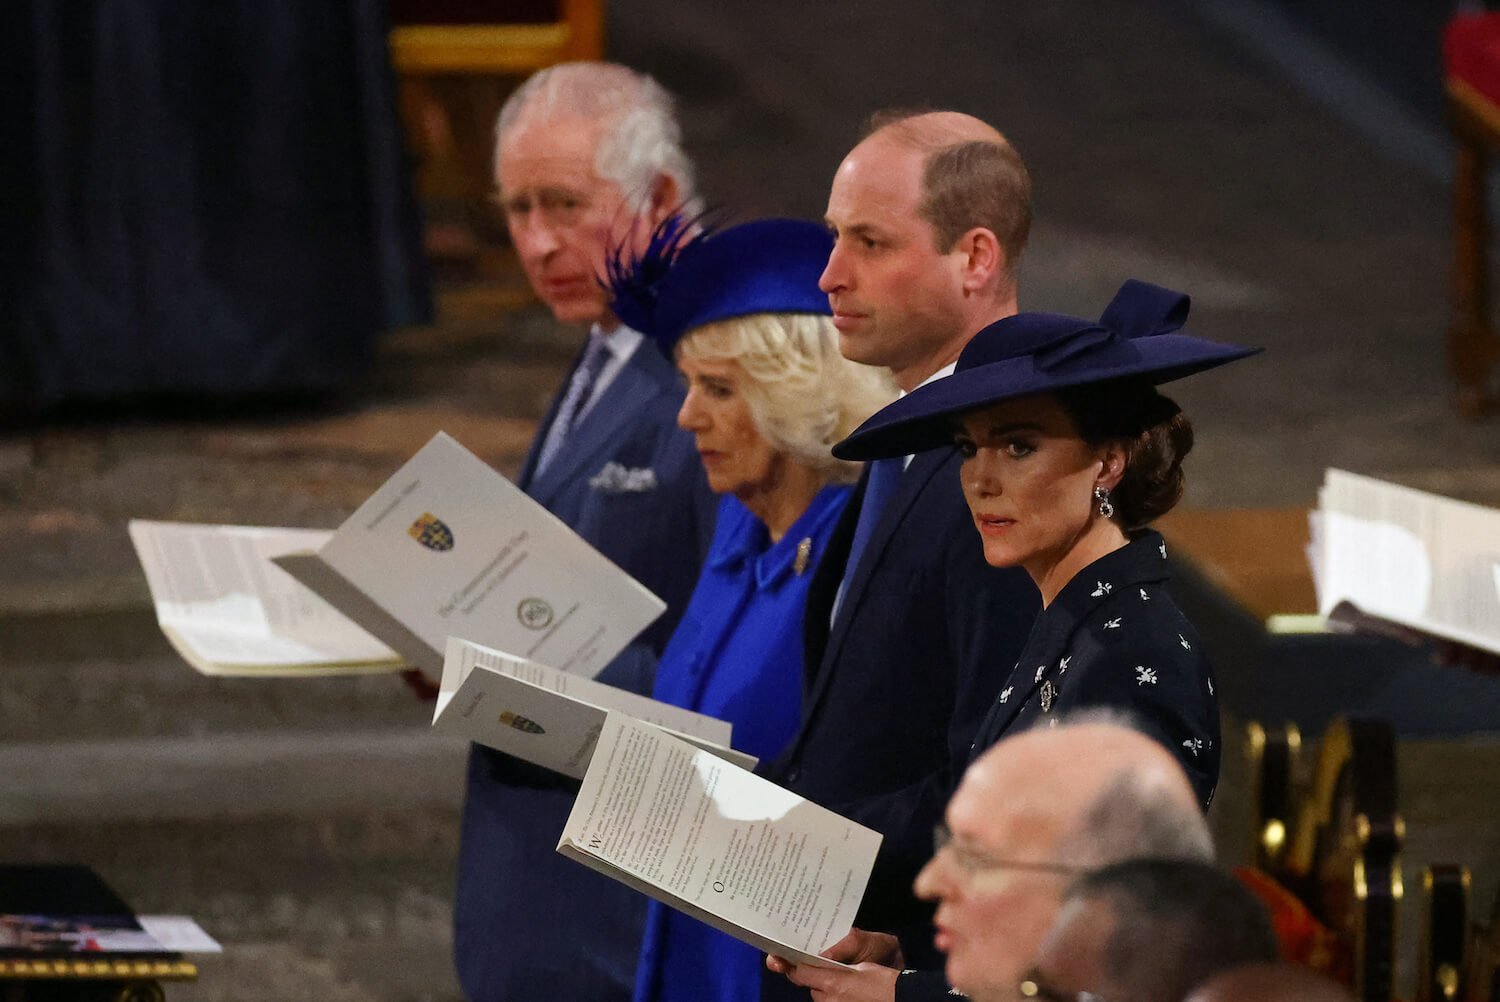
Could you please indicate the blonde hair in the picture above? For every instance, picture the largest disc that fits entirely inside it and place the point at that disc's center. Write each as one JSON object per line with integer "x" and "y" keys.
{"x": 803, "y": 395}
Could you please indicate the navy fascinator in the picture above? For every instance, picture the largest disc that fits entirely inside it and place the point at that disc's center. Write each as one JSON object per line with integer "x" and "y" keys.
{"x": 1139, "y": 337}
{"x": 687, "y": 277}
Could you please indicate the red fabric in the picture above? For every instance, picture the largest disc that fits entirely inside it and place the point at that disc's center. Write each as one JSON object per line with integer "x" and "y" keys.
{"x": 1471, "y": 52}
{"x": 1304, "y": 940}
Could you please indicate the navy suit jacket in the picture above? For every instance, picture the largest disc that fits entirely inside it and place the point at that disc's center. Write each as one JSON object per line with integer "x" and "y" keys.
{"x": 896, "y": 689}
{"x": 528, "y": 923}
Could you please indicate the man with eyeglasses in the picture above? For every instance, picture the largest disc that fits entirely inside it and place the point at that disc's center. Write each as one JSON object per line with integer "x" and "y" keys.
{"x": 1148, "y": 930}
{"x": 1033, "y": 812}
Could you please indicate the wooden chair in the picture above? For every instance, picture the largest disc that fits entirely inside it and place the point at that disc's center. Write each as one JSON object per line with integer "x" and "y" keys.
{"x": 478, "y": 39}
{"x": 1344, "y": 854}
{"x": 1482, "y": 977}
{"x": 1445, "y": 934}
{"x": 1275, "y": 754}
{"x": 1471, "y": 60}
{"x": 455, "y": 61}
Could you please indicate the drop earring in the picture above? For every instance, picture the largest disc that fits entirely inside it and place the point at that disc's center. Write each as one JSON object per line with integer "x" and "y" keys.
{"x": 1105, "y": 505}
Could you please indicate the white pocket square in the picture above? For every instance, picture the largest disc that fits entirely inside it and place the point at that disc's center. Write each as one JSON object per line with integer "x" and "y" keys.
{"x": 616, "y": 479}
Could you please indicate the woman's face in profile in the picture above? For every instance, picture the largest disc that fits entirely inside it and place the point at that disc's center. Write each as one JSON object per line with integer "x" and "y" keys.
{"x": 736, "y": 458}
{"x": 1029, "y": 479}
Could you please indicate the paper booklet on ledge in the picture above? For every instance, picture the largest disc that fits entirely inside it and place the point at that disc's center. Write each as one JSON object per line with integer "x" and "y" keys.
{"x": 228, "y": 610}
{"x": 551, "y": 718}
{"x": 718, "y": 843}
{"x": 1382, "y": 554}
{"x": 447, "y": 546}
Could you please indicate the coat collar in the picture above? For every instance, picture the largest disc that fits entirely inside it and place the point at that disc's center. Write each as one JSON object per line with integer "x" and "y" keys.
{"x": 772, "y": 563}
{"x": 1139, "y": 562}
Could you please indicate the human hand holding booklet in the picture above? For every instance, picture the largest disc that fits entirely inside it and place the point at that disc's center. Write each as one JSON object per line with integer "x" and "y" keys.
{"x": 719, "y": 843}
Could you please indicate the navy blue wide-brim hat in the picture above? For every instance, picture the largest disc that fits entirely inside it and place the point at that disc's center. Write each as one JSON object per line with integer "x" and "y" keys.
{"x": 685, "y": 279}
{"x": 1139, "y": 337}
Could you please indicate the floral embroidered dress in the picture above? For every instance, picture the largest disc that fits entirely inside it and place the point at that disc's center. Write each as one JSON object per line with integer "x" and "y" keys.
{"x": 1114, "y": 638}
{"x": 736, "y": 655}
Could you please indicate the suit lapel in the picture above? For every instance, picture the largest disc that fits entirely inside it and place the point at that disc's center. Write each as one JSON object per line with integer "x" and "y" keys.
{"x": 636, "y": 385}
{"x": 923, "y": 468}
{"x": 824, "y": 586}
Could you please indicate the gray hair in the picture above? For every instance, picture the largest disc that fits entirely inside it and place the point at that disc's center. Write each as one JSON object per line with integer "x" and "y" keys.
{"x": 642, "y": 139}
{"x": 1142, "y": 812}
{"x": 1177, "y": 924}
{"x": 803, "y": 394}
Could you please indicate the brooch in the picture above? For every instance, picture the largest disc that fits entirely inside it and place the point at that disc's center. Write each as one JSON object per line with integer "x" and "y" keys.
{"x": 804, "y": 555}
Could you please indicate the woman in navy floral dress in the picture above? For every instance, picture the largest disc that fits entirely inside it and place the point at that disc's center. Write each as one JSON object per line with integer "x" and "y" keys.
{"x": 1070, "y": 451}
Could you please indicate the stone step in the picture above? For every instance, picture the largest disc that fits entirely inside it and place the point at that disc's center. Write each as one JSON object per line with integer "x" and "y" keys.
{"x": 112, "y": 675}
{"x": 229, "y": 776}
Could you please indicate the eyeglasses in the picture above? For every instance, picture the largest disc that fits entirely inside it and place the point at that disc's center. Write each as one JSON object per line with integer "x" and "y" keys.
{"x": 972, "y": 861}
{"x": 1032, "y": 987}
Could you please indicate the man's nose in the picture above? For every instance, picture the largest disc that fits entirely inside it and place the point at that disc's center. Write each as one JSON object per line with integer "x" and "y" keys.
{"x": 833, "y": 278}
{"x": 534, "y": 236}
{"x": 929, "y": 883}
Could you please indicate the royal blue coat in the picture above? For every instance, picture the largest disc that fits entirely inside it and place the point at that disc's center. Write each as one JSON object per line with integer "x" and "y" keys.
{"x": 736, "y": 655}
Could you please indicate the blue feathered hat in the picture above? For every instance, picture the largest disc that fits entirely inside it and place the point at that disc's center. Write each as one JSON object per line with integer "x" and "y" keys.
{"x": 1139, "y": 337}
{"x": 688, "y": 277}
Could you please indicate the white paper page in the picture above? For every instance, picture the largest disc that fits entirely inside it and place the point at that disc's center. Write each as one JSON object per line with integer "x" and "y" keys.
{"x": 216, "y": 590}
{"x": 605, "y": 697}
{"x": 179, "y": 934}
{"x": 1412, "y": 557}
{"x": 548, "y": 717}
{"x": 450, "y": 547}
{"x": 719, "y": 842}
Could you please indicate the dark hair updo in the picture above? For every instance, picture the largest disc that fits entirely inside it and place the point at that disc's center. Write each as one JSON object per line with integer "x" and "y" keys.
{"x": 1155, "y": 433}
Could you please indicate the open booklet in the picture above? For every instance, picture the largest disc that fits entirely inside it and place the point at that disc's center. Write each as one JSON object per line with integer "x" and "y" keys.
{"x": 550, "y": 718}
{"x": 228, "y": 610}
{"x": 447, "y": 546}
{"x": 1383, "y": 554}
{"x": 718, "y": 843}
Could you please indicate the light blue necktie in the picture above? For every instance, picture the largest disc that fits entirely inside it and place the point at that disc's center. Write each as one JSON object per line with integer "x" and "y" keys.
{"x": 579, "y": 390}
{"x": 880, "y": 487}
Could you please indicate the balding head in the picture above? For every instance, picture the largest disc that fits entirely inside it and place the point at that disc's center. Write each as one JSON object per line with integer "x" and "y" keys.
{"x": 1057, "y": 801}
{"x": 931, "y": 131}
{"x": 1270, "y": 983}
{"x": 971, "y": 177}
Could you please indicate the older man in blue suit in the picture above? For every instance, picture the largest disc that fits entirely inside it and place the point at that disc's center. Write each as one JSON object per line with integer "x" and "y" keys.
{"x": 588, "y": 158}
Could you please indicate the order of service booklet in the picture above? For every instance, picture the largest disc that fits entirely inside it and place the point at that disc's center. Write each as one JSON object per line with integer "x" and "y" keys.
{"x": 228, "y": 610}
{"x": 719, "y": 843}
{"x": 551, "y": 718}
{"x": 1383, "y": 553}
{"x": 448, "y": 547}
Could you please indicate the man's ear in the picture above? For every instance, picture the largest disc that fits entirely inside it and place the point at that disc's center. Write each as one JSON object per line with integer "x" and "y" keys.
{"x": 983, "y": 259}
{"x": 666, "y": 198}
{"x": 1111, "y": 466}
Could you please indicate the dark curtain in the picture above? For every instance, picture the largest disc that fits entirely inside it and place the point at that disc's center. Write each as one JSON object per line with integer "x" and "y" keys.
{"x": 198, "y": 197}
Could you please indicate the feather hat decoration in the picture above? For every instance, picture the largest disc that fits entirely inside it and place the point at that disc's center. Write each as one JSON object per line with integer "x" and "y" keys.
{"x": 689, "y": 275}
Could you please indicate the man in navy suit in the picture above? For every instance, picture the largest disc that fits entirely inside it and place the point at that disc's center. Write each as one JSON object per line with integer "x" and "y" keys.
{"x": 908, "y": 632}
{"x": 588, "y": 158}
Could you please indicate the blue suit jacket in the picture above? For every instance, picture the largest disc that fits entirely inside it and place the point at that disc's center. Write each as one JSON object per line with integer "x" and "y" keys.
{"x": 528, "y": 923}
{"x": 926, "y": 634}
